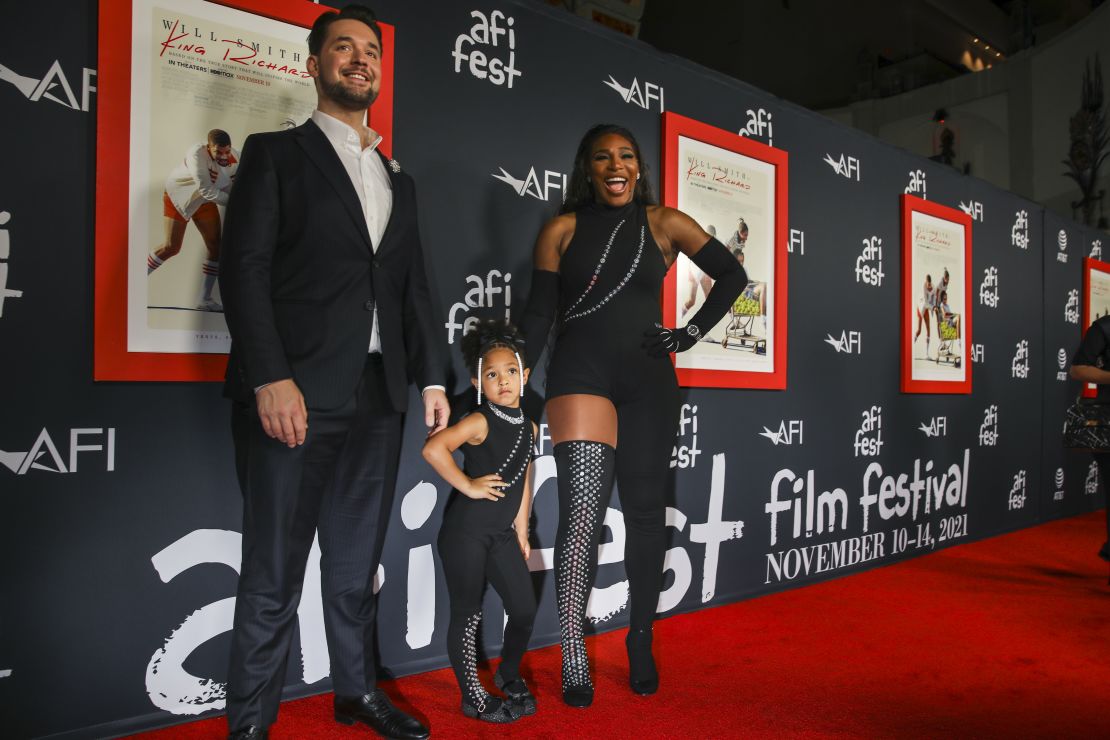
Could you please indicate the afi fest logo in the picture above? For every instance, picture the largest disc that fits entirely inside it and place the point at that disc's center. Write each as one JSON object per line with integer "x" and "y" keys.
{"x": 1016, "y": 499}
{"x": 978, "y": 354}
{"x": 988, "y": 289}
{"x": 1062, "y": 242}
{"x": 797, "y": 239}
{"x": 482, "y": 294}
{"x": 869, "y": 264}
{"x": 974, "y": 209}
{"x": 988, "y": 430}
{"x": 869, "y": 437}
{"x": 1071, "y": 308}
{"x": 1059, "y": 480}
{"x": 535, "y": 186}
{"x": 1019, "y": 367}
{"x": 636, "y": 94}
{"x": 44, "y": 455}
{"x": 1019, "y": 232}
{"x": 847, "y": 167}
{"x": 1096, "y": 249}
{"x": 936, "y": 427}
{"x": 1062, "y": 361}
{"x": 1090, "y": 485}
{"x": 759, "y": 126}
{"x": 484, "y": 47}
{"x": 5, "y": 253}
{"x": 685, "y": 452}
{"x": 788, "y": 433}
{"x": 53, "y": 86}
{"x": 917, "y": 183}
{"x": 849, "y": 342}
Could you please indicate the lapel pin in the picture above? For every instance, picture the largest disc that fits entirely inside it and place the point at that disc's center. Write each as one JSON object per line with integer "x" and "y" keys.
{"x": 393, "y": 165}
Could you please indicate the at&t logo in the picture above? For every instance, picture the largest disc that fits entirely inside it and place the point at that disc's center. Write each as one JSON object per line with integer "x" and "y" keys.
{"x": 1096, "y": 249}
{"x": 849, "y": 342}
{"x": 978, "y": 354}
{"x": 634, "y": 93}
{"x": 869, "y": 264}
{"x": 5, "y": 253}
{"x": 52, "y": 85}
{"x": 759, "y": 125}
{"x": 1016, "y": 499}
{"x": 685, "y": 452}
{"x": 535, "y": 186}
{"x": 988, "y": 430}
{"x": 846, "y": 166}
{"x": 1062, "y": 242}
{"x": 1059, "y": 481}
{"x": 797, "y": 240}
{"x": 44, "y": 454}
{"x": 1090, "y": 485}
{"x": 788, "y": 433}
{"x": 1019, "y": 367}
{"x": 869, "y": 437}
{"x": 1071, "y": 308}
{"x": 1062, "y": 361}
{"x": 481, "y": 295}
{"x": 917, "y": 183}
{"x": 1019, "y": 232}
{"x": 494, "y": 35}
{"x": 974, "y": 209}
{"x": 935, "y": 427}
{"x": 988, "y": 289}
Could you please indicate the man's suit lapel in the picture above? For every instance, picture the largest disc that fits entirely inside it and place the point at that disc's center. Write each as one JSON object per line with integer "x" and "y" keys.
{"x": 322, "y": 154}
{"x": 400, "y": 202}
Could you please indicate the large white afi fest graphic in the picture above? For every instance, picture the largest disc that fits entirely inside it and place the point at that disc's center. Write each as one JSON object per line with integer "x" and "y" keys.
{"x": 53, "y": 86}
{"x": 5, "y": 254}
{"x": 491, "y": 291}
{"x": 172, "y": 688}
{"x": 488, "y": 49}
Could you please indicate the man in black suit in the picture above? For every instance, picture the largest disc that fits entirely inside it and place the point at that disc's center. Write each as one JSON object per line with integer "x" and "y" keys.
{"x": 327, "y": 302}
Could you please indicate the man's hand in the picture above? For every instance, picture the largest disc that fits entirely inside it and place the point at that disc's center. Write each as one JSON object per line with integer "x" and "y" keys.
{"x": 282, "y": 412}
{"x": 436, "y": 410}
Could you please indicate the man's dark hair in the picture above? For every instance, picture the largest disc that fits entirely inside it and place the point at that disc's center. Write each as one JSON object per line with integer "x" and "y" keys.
{"x": 353, "y": 12}
{"x": 219, "y": 137}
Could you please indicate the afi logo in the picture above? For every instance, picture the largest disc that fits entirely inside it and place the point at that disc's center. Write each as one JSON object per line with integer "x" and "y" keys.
{"x": 493, "y": 33}
{"x": 5, "y": 253}
{"x": 1059, "y": 494}
{"x": 685, "y": 455}
{"x": 1019, "y": 232}
{"x": 760, "y": 126}
{"x": 974, "y": 209}
{"x": 845, "y": 166}
{"x": 533, "y": 185}
{"x": 44, "y": 454}
{"x": 481, "y": 295}
{"x": 1062, "y": 242}
{"x": 797, "y": 239}
{"x": 869, "y": 437}
{"x": 988, "y": 430}
{"x": 849, "y": 342}
{"x": 1096, "y": 249}
{"x": 869, "y": 264}
{"x": 54, "y": 86}
{"x": 917, "y": 183}
{"x": 1016, "y": 499}
{"x": 978, "y": 354}
{"x": 1019, "y": 368}
{"x": 637, "y": 95}
{"x": 1062, "y": 361}
{"x": 1090, "y": 485}
{"x": 988, "y": 289}
{"x": 1071, "y": 308}
{"x": 936, "y": 427}
{"x": 788, "y": 433}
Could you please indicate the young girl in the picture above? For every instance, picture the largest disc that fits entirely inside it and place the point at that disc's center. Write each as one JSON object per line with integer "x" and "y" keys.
{"x": 485, "y": 529}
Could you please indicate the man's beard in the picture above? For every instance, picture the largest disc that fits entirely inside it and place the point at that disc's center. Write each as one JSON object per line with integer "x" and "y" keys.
{"x": 346, "y": 97}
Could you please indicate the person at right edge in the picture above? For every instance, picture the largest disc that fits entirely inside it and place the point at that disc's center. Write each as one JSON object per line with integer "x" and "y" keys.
{"x": 612, "y": 395}
{"x": 1089, "y": 365}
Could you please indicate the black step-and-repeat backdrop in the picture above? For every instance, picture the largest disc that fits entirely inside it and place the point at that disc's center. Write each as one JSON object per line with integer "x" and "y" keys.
{"x": 120, "y": 537}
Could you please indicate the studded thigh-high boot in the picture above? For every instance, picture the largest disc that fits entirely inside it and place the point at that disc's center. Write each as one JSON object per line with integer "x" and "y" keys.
{"x": 585, "y": 471}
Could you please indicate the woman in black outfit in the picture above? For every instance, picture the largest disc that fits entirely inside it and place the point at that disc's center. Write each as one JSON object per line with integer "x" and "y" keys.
{"x": 612, "y": 395}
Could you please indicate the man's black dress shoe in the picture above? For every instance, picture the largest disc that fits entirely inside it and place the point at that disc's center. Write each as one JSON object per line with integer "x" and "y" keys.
{"x": 250, "y": 732}
{"x": 377, "y": 711}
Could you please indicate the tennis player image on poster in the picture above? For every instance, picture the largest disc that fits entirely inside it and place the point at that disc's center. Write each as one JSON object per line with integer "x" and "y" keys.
{"x": 204, "y": 77}
{"x": 732, "y": 197}
{"x": 938, "y": 280}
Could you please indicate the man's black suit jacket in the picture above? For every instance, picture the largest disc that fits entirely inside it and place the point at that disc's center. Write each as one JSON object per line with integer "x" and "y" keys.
{"x": 298, "y": 276}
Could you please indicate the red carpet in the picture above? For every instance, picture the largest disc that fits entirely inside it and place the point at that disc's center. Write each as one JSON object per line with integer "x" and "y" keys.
{"x": 1005, "y": 637}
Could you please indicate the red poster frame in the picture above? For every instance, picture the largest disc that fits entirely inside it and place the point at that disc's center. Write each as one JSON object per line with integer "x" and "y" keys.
{"x": 1090, "y": 265}
{"x": 911, "y": 204}
{"x": 675, "y": 125}
{"x": 111, "y": 359}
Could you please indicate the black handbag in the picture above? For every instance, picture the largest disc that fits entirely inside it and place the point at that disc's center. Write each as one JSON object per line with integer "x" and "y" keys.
{"x": 1087, "y": 425}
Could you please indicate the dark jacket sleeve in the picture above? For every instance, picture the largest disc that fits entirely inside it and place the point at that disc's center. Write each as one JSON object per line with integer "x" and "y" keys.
{"x": 422, "y": 345}
{"x": 250, "y": 232}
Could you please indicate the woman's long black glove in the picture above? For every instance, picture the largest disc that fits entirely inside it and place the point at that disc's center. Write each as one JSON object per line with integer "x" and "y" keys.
{"x": 716, "y": 261}
{"x": 539, "y": 314}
